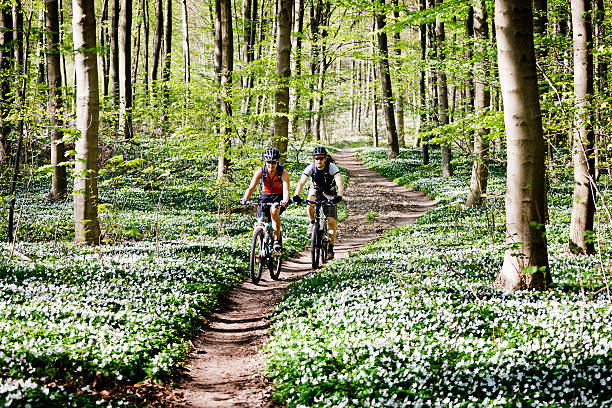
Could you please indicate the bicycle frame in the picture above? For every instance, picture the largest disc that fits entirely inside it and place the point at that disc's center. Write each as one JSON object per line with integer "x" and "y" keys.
{"x": 261, "y": 248}
{"x": 319, "y": 239}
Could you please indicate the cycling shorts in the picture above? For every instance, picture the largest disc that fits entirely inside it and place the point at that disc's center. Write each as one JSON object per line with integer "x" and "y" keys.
{"x": 268, "y": 198}
{"x": 330, "y": 210}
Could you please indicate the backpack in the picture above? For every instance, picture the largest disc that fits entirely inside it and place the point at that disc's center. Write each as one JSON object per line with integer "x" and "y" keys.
{"x": 264, "y": 172}
{"x": 321, "y": 179}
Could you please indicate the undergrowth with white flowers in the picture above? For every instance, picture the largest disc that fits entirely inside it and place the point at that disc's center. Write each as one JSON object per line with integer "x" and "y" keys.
{"x": 411, "y": 320}
{"x": 76, "y": 320}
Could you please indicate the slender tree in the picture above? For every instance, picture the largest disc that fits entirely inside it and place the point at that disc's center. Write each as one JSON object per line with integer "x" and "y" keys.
{"x": 226, "y": 67}
{"x": 104, "y": 55}
{"x": 283, "y": 73}
{"x": 422, "y": 85}
{"x": 114, "y": 53}
{"x": 296, "y": 63}
{"x": 447, "y": 169}
{"x": 125, "y": 69}
{"x": 385, "y": 80}
{"x": 583, "y": 207}
{"x": 86, "y": 224}
{"x": 6, "y": 66}
{"x": 482, "y": 99}
{"x": 55, "y": 102}
{"x": 167, "y": 61}
{"x": 401, "y": 126}
{"x": 157, "y": 41}
{"x": 145, "y": 58}
{"x": 526, "y": 258}
{"x": 186, "y": 50}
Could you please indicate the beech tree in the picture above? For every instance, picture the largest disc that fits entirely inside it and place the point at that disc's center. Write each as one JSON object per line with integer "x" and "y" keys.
{"x": 385, "y": 80}
{"x": 447, "y": 169}
{"x": 283, "y": 72}
{"x": 482, "y": 97}
{"x": 125, "y": 69}
{"x": 225, "y": 60}
{"x": 583, "y": 207}
{"x": 6, "y": 62}
{"x": 86, "y": 223}
{"x": 526, "y": 258}
{"x": 55, "y": 102}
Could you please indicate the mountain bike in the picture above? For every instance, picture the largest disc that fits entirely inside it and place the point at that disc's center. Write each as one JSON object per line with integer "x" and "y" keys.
{"x": 319, "y": 239}
{"x": 261, "y": 248}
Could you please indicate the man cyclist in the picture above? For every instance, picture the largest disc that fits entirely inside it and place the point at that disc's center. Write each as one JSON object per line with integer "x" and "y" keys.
{"x": 326, "y": 184}
{"x": 274, "y": 180}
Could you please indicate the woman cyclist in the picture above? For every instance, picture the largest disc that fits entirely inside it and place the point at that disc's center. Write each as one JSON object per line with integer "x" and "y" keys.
{"x": 274, "y": 180}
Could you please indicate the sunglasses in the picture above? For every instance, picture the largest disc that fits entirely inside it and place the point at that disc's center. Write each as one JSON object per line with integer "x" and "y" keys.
{"x": 319, "y": 158}
{"x": 271, "y": 162}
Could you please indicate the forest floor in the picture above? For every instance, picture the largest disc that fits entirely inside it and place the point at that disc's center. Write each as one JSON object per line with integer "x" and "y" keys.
{"x": 225, "y": 368}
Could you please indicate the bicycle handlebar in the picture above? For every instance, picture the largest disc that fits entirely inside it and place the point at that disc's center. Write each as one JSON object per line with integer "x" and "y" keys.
{"x": 262, "y": 204}
{"x": 322, "y": 202}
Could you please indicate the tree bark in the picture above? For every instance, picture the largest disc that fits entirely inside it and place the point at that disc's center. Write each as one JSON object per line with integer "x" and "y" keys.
{"x": 482, "y": 100}
{"x": 422, "y": 82}
{"x": 125, "y": 69}
{"x": 601, "y": 74}
{"x": 283, "y": 73}
{"x": 55, "y": 102}
{"x": 145, "y": 57}
{"x": 18, "y": 21}
{"x": 296, "y": 63}
{"x": 6, "y": 96}
{"x": 157, "y": 42}
{"x": 86, "y": 224}
{"x": 583, "y": 207}
{"x": 167, "y": 61}
{"x": 226, "y": 40}
{"x": 447, "y": 169}
{"x": 114, "y": 53}
{"x": 385, "y": 81}
{"x": 186, "y": 51}
{"x": 526, "y": 259}
{"x": 401, "y": 127}
{"x": 104, "y": 55}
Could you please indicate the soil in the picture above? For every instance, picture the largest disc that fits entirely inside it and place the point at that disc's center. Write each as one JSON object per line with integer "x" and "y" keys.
{"x": 225, "y": 368}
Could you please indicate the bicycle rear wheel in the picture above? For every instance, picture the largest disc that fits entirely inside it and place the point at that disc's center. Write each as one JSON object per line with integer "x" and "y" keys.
{"x": 256, "y": 264}
{"x": 314, "y": 247}
{"x": 274, "y": 264}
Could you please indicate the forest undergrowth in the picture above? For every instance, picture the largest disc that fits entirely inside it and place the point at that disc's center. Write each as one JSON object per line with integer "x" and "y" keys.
{"x": 411, "y": 320}
{"x": 78, "y": 322}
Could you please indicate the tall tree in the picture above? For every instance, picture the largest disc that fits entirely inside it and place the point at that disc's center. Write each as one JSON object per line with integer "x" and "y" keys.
{"x": 145, "y": 59}
{"x": 482, "y": 99}
{"x": 167, "y": 60}
{"x": 583, "y": 207}
{"x": 385, "y": 80}
{"x": 86, "y": 223}
{"x": 401, "y": 126}
{"x": 422, "y": 85}
{"x": 104, "y": 55}
{"x": 225, "y": 57}
{"x": 157, "y": 41}
{"x": 296, "y": 63}
{"x": 447, "y": 169}
{"x": 186, "y": 50}
{"x": 55, "y": 102}
{"x": 114, "y": 53}
{"x": 125, "y": 69}
{"x": 6, "y": 66}
{"x": 283, "y": 73}
{"x": 526, "y": 258}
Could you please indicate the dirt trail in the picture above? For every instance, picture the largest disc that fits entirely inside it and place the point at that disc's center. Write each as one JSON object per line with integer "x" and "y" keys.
{"x": 225, "y": 369}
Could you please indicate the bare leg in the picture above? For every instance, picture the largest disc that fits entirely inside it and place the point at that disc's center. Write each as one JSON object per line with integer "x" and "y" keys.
{"x": 276, "y": 222}
{"x": 310, "y": 208}
{"x": 331, "y": 229}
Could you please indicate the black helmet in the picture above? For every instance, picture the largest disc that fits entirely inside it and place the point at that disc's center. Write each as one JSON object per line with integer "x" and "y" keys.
{"x": 271, "y": 154}
{"x": 319, "y": 150}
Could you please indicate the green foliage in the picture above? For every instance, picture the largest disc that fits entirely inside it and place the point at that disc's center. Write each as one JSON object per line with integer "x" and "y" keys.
{"x": 411, "y": 320}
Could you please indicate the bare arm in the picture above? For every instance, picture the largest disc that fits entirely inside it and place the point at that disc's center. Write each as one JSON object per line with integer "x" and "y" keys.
{"x": 338, "y": 180}
{"x": 253, "y": 185}
{"x": 286, "y": 181}
{"x": 301, "y": 184}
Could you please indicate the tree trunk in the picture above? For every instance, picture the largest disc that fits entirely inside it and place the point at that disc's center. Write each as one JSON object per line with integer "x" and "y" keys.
{"x": 125, "y": 69}
{"x": 157, "y": 42}
{"x": 6, "y": 96}
{"x": 469, "y": 83}
{"x": 401, "y": 127}
{"x": 315, "y": 22}
{"x": 18, "y": 21}
{"x": 601, "y": 73}
{"x": 385, "y": 81}
{"x": 145, "y": 57}
{"x": 423, "y": 126}
{"x": 526, "y": 259}
{"x": 296, "y": 63}
{"x": 104, "y": 55}
{"x": 482, "y": 100}
{"x": 186, "y": 52}
{"x": 86, "y": 224}
{"x": 114, "y": 53}
{"x": 226, "y": 40}
{"x": 55, "y": 103}
{"x": 447, "y": 169}
{"x": 283, "y": 73}
{"x": 167, "y": 60}
{"x": 583, "y": 207}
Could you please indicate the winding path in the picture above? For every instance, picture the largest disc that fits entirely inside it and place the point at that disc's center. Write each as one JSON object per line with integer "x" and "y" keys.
{"x": 225, "y": 369}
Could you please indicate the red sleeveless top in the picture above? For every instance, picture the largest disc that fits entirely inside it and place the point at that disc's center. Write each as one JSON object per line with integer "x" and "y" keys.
{"x": 273, "y": 184}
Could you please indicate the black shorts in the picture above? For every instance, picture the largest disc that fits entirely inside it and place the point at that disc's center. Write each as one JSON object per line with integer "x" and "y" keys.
{"x": 330, "y": 210}
{"x": 268, "y": 198}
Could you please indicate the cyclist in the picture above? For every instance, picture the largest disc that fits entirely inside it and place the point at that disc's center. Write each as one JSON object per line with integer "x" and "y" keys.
{"x": 326, "y": 184}
{"x": 274, "y": 181}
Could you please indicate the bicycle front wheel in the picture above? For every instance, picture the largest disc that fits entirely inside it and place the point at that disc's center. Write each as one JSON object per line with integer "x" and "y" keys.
{"x": 323, "y": 245}
{"x": 314, "y": 247}
{"x": 256, "y": 262}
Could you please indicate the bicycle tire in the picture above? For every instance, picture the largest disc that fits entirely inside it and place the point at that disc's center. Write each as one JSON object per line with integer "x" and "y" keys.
{"x": 274, "y": 264}
{"x": 314, "y": 247}
{"x": 256, "y": 268}
{"x": 323, "y": 244}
